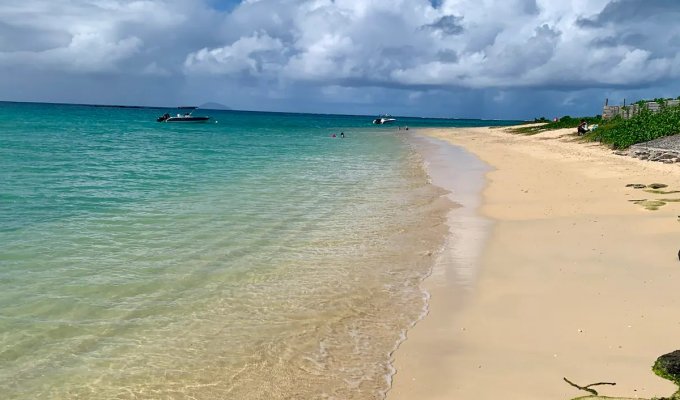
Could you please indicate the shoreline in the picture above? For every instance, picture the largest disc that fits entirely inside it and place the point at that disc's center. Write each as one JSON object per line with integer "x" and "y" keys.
{"x": 575, "y": 280}
{"x": 454, "y": 271}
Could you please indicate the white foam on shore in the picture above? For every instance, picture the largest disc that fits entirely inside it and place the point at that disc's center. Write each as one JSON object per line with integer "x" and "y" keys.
{"x": 462, "y": 175}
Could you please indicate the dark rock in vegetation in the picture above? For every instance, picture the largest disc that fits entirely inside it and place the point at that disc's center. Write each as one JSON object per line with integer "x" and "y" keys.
{"x": 668, "y": 366}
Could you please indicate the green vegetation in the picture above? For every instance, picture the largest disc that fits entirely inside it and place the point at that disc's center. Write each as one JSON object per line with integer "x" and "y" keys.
{"x": 619, "y": 133}
{"x": 645, "y": 126}
{"x": 658, "y": 191}
{"x": 668, "y": 367}
{"x": 659, "y": 370}
{"x": 564, "y": 122}
{"x": 651, "y": 205}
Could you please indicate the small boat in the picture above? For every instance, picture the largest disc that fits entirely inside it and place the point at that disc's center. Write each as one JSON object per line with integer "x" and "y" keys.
{"x": 186, "y": 116}
{"x": 383, "y": 119}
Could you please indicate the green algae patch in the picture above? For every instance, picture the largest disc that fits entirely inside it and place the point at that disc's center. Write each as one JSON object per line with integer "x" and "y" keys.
{"x": 657, "y": 191}
{"x": 651, "y": 205}
{"x": 654, "y": 188}
{"x": 658, "y": 185}
{"x": 668, "y": 367}
{"x": 609, "y": 398}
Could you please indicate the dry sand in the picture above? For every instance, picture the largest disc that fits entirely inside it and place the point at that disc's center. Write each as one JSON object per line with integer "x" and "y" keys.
{"x": 574, "y": 280}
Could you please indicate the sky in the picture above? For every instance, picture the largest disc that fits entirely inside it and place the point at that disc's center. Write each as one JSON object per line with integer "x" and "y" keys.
{"x": 492, "y": 59}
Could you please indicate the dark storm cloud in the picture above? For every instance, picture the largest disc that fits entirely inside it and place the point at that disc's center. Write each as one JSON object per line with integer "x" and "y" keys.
{"x": 623, "y": 11}
{"x": 12, "y": 38}
{"x": 530, "y": 7}
{"x": 626, "y": 39}
{"x": 646, "y": 27}
{"x": 448, "y": 24}
{"x": 436, "y": 3}
{"x": 447, "y": 56}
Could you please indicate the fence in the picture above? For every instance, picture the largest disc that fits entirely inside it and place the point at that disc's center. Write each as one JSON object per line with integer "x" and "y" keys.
{"x": 626, "y": 112}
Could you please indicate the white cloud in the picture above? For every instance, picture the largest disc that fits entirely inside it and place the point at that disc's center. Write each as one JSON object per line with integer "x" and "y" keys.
{"x": 87, "y": 52}
{"x": 298, "y": 49}
{"x": 93, "y": 36}
{"x": 254, "y": 54}
{"x": 401, "y": 43}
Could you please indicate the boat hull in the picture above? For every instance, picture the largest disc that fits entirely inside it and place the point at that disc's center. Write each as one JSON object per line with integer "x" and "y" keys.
{"x": 187, "y": 119}
{"x": 184, "y": 118}
{"x": 382, "y": 121}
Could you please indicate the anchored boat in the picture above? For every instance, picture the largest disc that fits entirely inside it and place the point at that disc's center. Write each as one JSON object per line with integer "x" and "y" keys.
{"x": 383, "y": 119}
{"x": 186, "y": 116}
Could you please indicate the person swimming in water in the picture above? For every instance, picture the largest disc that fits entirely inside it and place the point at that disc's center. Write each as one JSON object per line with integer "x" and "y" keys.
{"x": 342, "y": 135}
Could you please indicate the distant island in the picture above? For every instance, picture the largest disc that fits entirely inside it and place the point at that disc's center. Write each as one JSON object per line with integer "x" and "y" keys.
{"x": 214, "y": 106}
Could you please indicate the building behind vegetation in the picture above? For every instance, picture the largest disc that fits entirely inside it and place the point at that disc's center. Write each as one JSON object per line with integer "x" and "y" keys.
{"x": 627, "y": 111}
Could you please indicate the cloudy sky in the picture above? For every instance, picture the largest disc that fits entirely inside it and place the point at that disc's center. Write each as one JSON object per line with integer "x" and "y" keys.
{"x": 445, "y": 58}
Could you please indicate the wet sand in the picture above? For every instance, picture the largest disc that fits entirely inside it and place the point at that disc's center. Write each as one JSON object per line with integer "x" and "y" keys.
{"x": 574, "y": 280}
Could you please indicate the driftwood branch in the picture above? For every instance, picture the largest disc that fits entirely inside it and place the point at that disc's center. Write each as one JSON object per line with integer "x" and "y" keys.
{"x": 587, "y": 387}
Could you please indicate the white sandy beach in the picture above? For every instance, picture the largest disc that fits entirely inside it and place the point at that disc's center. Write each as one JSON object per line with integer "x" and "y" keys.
{"x": 573, "y": 281}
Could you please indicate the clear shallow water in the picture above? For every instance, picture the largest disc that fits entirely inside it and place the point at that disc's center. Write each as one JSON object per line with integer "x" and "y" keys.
{"x": 251, "y": 258}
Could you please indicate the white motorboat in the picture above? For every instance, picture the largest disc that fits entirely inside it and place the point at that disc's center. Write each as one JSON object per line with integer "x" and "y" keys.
{"x": 383, "y": 119}
{"x": 186, "y": 116}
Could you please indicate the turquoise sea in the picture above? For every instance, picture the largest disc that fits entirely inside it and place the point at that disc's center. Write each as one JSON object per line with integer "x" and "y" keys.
{"x": 248, "y": 258}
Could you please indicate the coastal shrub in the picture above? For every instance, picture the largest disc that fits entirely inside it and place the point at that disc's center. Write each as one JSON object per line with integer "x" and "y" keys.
{"x": 617, "y": 132}
{"x": 645, "y": 126}
{"x": 564, "y": 122}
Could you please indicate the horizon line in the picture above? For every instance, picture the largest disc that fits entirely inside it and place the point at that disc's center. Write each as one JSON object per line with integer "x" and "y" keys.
{"x": 251, "y": 111}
